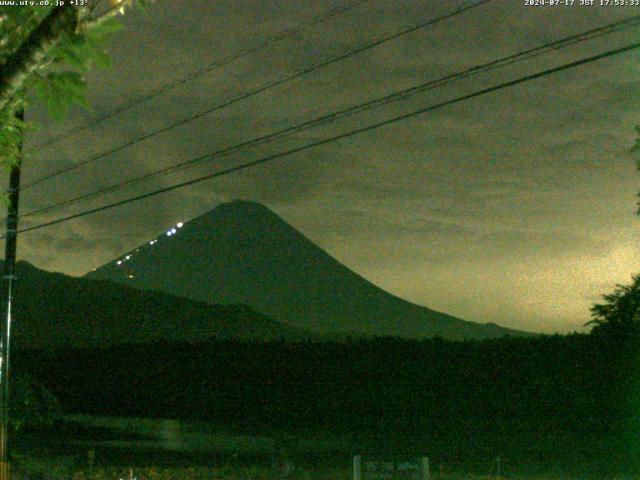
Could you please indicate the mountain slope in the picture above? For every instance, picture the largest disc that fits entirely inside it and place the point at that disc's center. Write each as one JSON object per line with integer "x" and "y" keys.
{"x": 53, "y": 310}
{"x": 242, "y": 252}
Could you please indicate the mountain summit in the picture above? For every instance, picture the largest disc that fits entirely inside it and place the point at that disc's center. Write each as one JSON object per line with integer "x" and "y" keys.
{"x": 242, "y": 252}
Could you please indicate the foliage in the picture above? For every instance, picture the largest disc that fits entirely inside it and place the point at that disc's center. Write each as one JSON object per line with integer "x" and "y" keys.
{"x": 57, "y": 78}
{"x": 50, "y": 467}
{"x": 10, "y": 137}
{"x": 620, "y": 312}
{"x": 32, "y": 405}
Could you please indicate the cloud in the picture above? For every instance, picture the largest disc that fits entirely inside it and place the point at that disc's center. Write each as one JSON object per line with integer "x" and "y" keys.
{"x": 499, "y": 208}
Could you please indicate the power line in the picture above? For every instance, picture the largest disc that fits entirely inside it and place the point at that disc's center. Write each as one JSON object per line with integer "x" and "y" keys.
{"x": 351, "y": 133}
{"x": 202, "y": 71}
{"x": 250, "y": 93}
{"x": 387, "y": 99}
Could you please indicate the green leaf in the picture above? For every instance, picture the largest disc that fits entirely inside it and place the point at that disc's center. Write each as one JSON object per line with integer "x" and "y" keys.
{"x": 101, "y": 31}
{"x": 70, "y": 80}
{"x": 72, "y": 58}
{"x": 41, "y": 89}
{"x": 142, "y": 5}
{"x": 98, "y": 55}
{"x": 76, "y": 39}
{"x": 64, "y": 89}
{"x": 57, "y": 107}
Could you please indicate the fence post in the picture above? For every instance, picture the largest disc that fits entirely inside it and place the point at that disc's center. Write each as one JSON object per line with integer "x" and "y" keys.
{"x": 357, "y": 473}
{"x": 426, "y": 474}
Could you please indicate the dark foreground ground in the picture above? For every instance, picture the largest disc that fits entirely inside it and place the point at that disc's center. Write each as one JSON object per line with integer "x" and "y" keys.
{"x": 99, "y": 448}
{"x": 565, "y": 406}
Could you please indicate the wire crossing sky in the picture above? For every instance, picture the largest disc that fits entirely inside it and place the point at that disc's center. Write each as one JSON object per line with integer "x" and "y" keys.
{"x": 396, "y": 96}
{"x": 255, "y": 91}
{"x": 384, "y": 123}
{"x": 284, "y": 35}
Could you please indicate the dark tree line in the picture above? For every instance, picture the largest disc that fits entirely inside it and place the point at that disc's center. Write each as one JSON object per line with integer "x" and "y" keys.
{"x": 535, "y": 398}
{"x": 572, "y": 399}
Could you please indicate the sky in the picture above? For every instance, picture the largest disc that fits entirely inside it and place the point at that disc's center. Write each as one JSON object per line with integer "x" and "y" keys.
{"x": 516, "y": 207}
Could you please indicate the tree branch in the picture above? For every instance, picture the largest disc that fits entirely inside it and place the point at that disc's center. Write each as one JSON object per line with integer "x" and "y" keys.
{"x": 103, "y": 17}
{"x": 27, "y": 57}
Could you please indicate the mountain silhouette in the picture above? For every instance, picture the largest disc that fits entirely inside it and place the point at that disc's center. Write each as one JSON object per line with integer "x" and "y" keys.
{"x": 242, "y": 252}
{"x": 53, "y": 311}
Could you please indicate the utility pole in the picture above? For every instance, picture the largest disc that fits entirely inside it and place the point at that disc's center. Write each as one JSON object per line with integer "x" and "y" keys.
{"x": 9, "y": 276}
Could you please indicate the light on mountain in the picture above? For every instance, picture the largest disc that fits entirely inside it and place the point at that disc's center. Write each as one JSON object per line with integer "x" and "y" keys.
{"x": 180, "y": 224}
{"x": 127, "y": 257}
{"x": 173, "y": 230}
{"x": 169, "y": 233}
{"x": 119, "y": 262}
{"x": 130, "y": 276}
